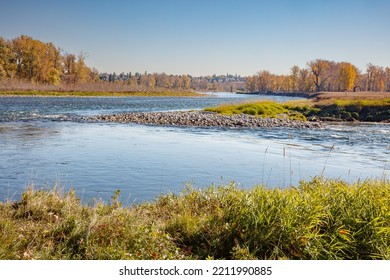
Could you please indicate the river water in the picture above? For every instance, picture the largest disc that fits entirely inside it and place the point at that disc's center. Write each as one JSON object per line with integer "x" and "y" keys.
{"x": 45, "y": 142}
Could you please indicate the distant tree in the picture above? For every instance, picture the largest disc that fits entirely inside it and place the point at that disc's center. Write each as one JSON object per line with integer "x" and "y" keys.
{"x": 347, "y": 76}
{"x": 305, "y": 81}
{"x": 264, "y": 81}
{"x": 294, "y": 76}
{"x": 94, "y": 75}
{"x": 320, "y": 70}
{"x": 2, "y": 72}
{"x": 186, "y": 82}
{"x": 387, "y": 71}
{"x": 376, "y": 78}
{"x": 251, "y": 84}
{"x": 54, "y": 77}
{"x": 82, "y": 71}
{"x": 7, "y": 58}
{"x": 69, "y": 62}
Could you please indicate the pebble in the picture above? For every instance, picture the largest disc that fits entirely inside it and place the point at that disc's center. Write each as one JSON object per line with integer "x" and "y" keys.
{"x": 203, "y": 119}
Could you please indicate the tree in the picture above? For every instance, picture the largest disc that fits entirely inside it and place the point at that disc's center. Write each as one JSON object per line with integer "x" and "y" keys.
{"x": 7, "y": 59}
{"x": 251, "y": 84}
{"x": 294, "y": 76}
{"x": 69, "y": 61}
{"x": 305, "y": 81}
{"x": 2, "y": 72}
{"x": 376, "y": 78}
{"x": 347, "y": 76}
{"x": 387, "y": 71}
{"x": 82, "y": 71}
{"x": 264, "y": 81}
{"x": 186, "y": 82}
{"x": 54, "y": 77}
{"x": 320, "y": 70}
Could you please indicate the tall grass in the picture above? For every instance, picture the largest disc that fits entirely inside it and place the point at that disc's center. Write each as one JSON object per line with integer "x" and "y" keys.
{"x": 319, "y": 219}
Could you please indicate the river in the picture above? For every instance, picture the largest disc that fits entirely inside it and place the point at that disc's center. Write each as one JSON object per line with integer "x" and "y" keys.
{"x": 45, "y": 142}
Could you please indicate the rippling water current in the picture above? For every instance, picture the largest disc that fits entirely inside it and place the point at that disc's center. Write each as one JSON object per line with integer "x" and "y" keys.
{"x": 45, "y": 142}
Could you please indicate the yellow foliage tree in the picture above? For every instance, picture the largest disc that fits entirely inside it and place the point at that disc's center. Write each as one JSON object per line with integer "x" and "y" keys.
{"x": 347, "y": 76}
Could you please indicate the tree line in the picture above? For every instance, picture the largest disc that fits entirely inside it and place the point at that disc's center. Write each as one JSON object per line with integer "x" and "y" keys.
{"x": 151, "y": 81}
{"x": 28, "y": 59}
{"x": 322, "y": 75}
{"x": 38, "y": 63}
{"x": 27, "y": 63}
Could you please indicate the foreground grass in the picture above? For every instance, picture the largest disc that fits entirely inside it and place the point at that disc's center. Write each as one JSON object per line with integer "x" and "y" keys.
{"x": 98, "y": 93}
{"x": 377, "y": 110}
{"x": 321, "y": 219}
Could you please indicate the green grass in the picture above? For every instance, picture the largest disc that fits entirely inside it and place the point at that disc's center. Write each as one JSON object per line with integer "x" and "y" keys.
{"x": 361, "y": 110}
{"x": 98, "y": 94}
{"x": 337, "y": 109}
{"x": 320, "y": 219}
{"x": 264, "y": 109}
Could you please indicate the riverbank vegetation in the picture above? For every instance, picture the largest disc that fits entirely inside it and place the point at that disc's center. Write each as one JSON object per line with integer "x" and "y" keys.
{"x": 320, "y": 219}
{"x": 100, "y": 94}
{"x": 322, "y": 75}
{"x": 264, "y": 109}
{"x": 29, "y": 64}
{"x": 324, "y": 107}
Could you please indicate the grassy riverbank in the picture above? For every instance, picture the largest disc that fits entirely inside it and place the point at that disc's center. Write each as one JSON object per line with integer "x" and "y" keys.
{"x": 321, "y": 108}
{"x": 99, "y": 94}
{"x": 321, "y": 219}
{"x": 264, "y": 109}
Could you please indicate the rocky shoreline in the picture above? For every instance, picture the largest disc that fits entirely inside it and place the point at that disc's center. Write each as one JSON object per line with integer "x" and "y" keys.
{"x": 203, "y": 119}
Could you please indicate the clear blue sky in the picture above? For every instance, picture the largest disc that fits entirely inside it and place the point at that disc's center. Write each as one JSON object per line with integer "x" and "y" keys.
{"x": 205, "y": 37}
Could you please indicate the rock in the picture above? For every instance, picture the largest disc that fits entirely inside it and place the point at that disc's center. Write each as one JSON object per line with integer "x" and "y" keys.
{"x": 203, "y": 119}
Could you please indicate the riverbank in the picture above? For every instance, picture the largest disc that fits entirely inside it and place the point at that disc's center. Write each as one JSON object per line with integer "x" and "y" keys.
{"x": 325, "y": 95}
{"x": 99, "y": 94}
{"x": 322, "y": 109}
{"x": 321, "y": 219}
{"x": 204, "y": 119}
{"x": 288, "y": 94}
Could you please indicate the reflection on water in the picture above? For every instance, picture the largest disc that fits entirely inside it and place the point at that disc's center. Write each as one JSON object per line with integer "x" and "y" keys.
{"x": 144, "y": 161}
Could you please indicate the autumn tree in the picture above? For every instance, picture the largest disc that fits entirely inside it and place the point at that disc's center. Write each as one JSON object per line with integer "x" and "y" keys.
{"x": 376, "y": 78}
{"x": 82, "y": 70}
{"x": 7, "y": 58}
{"x": 347, "y": 76}
{"x": 186, "y": 82}
{"x": 387, "y": 73}
{"x": 69, "y": 62}
{"x": 320, "y": 70}
{"x": 38, "y": 62}
{"x": 264, "y": 82}
{"x": 251, "y": 84}
{"x": 294, "y": 77}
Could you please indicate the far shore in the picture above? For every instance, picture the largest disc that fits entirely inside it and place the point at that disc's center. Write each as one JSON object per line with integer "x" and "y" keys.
{"x": 98, "y": 94}
{"x": 322, "y": 95}
{"x": 318, "y": 96}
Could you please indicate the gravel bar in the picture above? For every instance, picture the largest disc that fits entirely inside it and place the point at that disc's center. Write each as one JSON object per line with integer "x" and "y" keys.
{"x": 203, "y": 119}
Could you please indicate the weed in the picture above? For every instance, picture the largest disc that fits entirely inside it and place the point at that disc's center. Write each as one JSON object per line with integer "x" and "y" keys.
{"x": 319, "y": 219}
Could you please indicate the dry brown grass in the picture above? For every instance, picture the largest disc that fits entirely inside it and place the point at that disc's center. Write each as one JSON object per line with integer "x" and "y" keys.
{"x": 93, "y": 86}
{"x": 329, "y": 96}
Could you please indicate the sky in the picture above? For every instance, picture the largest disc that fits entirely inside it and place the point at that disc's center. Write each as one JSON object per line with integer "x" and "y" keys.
{"x": 202, "y": 37}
